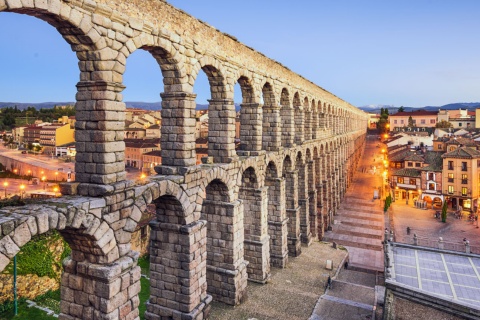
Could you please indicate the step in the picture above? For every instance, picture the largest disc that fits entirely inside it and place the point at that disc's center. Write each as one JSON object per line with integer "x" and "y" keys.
{"x": 353, "y": 292}
{"x": 361, "y": 225}
{"x": 337, "y": 230}
{"x": 357, "y": 277}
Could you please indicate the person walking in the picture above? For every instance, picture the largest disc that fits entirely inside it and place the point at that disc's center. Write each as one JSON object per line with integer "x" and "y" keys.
{"x": 329, "y": 283}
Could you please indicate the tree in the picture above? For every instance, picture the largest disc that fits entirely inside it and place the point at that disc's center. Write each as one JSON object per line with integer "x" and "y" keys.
{"x": 443, "y": 124}
{"x": 410, "y": 122}
{"x": 444, "y": 211}
{"x": 401, "y": 109}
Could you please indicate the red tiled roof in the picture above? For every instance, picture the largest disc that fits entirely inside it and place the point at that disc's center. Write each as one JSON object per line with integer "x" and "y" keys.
{"x": 414, "y": 113}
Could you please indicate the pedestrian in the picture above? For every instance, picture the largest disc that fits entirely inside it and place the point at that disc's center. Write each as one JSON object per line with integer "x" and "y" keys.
{"x": 346, "y": 265}
{"x": 329, "y": 283}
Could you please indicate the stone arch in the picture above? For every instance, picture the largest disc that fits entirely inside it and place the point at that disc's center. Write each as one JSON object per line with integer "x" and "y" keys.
{"x": 226, "y": 268}
{"x": 287, "y": 116}
{"x": 271, "y": 120}
{"x": 291, "y": 203}
{"x": 220, "y": 175}
{"x": 216, "y": 75}
{"x": 250, "y": 118}
{"x": 175, "y": 78}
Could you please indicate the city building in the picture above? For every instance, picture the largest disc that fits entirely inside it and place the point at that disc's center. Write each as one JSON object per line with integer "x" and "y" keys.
{"x": 135, "y": 149}
{"x": 460, "y": 177}
{"x": 54, "y": 135}
{"x": 419, "y": 119}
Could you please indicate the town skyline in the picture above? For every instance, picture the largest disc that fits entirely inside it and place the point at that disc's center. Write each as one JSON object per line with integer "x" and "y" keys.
{"x": 411, "y": 53}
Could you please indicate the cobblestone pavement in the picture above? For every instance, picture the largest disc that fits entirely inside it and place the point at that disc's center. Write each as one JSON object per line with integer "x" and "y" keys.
{"x": 359, "y": 223}
{"x": 291, "y": 293}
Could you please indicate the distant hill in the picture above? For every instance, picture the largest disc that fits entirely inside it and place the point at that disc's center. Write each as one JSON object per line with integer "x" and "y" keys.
{"x": 129, "y": 104}
{"x": 450, "y": 106}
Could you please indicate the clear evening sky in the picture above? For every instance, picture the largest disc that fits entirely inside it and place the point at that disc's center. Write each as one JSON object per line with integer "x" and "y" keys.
{"x": 412, "y": 52}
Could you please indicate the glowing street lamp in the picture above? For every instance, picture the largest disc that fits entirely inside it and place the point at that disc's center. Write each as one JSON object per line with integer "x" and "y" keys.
{"x": 5, "y": 185}
{"x": 55, "y": 189}
{"x": 44, "y": 184}
{"x": 22, "y": 191}
{"x": 56, "y": 174}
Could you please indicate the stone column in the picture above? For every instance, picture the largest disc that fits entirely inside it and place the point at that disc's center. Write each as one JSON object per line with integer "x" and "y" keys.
{"x": 257, "y": 241}
{"x": 99, "y": 130}
{"x": 178, "y": 132}
{"x": 94, "y": 291}
{"x": 221, "y": 131}
{"x": 272, "y": 134}
{"x": 250, "y": 128}
{"x": 178, "y": 284}
{"x": 299, "y": 125}
{"x": 288, "y": 131}
{"x": 312, "y": 209}
{"x": 303, "y": 203}
{"x": 308, "y": 125}
{"x": 226, "y": 266}
{"x": 320, "y": 212}
{"x": 293, "y": 213}
{"x": 277, "y": 222}
{"x": 315, "y": 125}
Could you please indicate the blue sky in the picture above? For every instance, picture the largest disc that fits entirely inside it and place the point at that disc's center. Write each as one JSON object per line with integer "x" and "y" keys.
{"x": 412, "y": 52}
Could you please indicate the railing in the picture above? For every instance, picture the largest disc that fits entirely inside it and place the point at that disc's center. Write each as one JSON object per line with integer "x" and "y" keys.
{"x": 443, "y": 245}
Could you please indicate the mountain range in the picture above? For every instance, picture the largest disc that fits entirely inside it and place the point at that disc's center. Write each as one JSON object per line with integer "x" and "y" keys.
{"x": 158, "y": 105}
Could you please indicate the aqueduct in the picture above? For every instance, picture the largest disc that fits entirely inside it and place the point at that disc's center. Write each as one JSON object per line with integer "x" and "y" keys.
{"x": 218, "y": 224}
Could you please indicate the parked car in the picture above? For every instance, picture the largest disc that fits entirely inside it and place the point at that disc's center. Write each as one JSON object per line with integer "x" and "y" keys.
{"x": 24, "y": 152}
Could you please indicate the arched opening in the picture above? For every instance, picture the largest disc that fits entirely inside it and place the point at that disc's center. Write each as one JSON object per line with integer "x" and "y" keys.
{"x": 287, "y": 115}
{"x": 299, "y": 117}
{"x": 40, "y": 44}
{"x": 277, "y": 217}
{"x": 257, "y": 246}
{"x": 303, "y": 201}
{"x": 271, "y": 120}
{"x": 226, "y": 268}
{"x": 250, "y": 122}
{"x": 143, "y": 82}
{"x": 221, "y": 117}
{"x": 312, "y": 195}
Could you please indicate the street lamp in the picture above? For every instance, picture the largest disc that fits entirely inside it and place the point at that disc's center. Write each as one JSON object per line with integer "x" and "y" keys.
{"x": 5, "y": 185}
{"x": 44, "y": 184}
{"x": 56, "y": 174}
{"x": 55, "y": 189}
{"x": 22, "y": 191}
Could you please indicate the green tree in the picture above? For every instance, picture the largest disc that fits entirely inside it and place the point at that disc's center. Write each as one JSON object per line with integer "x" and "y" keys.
{"x": 401, "y": 109}
{"x": 410, "y": 122}
{"x": 444, "y": 211}
{"x": 443, "y": 124}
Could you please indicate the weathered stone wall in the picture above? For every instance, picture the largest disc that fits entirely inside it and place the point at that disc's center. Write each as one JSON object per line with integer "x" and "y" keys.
{"x": 217, "y": 224}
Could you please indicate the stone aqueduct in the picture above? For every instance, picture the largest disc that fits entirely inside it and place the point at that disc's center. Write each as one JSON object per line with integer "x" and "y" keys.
{"x": 217, "y": 224}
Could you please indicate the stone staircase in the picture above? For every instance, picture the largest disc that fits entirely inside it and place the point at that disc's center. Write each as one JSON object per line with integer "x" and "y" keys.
{"x": 352, "y": 296}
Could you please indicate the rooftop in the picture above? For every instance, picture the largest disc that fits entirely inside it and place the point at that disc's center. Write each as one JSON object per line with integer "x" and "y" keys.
{"x": 440, "y": 273}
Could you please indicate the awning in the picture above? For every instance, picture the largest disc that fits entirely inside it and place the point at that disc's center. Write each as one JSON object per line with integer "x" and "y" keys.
{"x": 407, "y": 186}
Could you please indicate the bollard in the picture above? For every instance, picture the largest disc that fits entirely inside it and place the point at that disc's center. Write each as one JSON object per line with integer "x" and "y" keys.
{"x": 391, "y": 235}
{"x": 441, "y": 244}
{"x": 415, "y": 239}
{"x": 467, "y": 246}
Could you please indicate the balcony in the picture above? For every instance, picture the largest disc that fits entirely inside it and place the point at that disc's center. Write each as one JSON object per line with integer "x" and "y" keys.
{"x": 450, "y": 179}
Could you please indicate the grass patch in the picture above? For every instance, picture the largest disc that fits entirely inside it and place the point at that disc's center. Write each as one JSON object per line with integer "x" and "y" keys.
{"x": 26, "y": 313}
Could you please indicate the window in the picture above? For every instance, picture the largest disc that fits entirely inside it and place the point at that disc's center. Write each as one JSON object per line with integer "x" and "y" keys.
{"x": 459, "y": 124}
{"x": 450, "y": 189}
{"x": 450, "y": 177}
{"x": 439, "y": 146}
{"x": 432, "y": 121}
{"x": 464, "y": 179}
{"x": 398, "y": 165}
{"x": 451, "y": 148}
{"x": 400, "y": 180}
{"x": 431, "y": 176}
{"x": 410, "y": 164}
{"x": 450, "y": 165}
{"x": 422, "y": 121}
{"x": 413, "y": 181}
{"x": 417, "y": 164}
{"x": 464, "y": 166}
{"x": 478, "y": 163}
{"x": 431, "y": 186}
{"x": 395, "y": 121}
{"x": 402, "y": 122}
{"x": 464, "y": 191}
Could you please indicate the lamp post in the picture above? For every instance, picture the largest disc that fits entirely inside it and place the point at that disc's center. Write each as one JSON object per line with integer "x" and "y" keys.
{"x": 5, "y": 185}
{"x": 56, "y": 174}
{"x": 44, "y": 184}
{"x": 55, "y": 189}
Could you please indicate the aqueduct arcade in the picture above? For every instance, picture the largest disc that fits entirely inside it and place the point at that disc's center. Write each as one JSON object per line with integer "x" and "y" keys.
{"x": 219, "y": 224}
